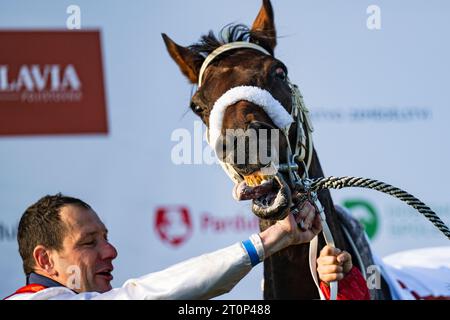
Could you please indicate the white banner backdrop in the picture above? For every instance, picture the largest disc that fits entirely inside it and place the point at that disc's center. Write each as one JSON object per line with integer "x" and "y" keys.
{"x": 378, "y": 98}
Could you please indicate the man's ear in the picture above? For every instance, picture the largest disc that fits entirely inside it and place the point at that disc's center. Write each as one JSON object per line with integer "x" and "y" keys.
{"x": 188, "y": 61}
{"x": 43, "y": 260}
{"x": 264, "y": 28}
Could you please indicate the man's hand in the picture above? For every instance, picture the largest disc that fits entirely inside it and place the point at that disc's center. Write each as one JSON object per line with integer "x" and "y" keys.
{"x": 288, "y": 232}
{"x": 333, "y": 264}
{"x": 304, "y": 225}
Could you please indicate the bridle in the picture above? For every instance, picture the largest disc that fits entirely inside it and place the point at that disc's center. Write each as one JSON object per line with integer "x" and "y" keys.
{"x": 299, "y": 154}
{"x": 299, "y": 113}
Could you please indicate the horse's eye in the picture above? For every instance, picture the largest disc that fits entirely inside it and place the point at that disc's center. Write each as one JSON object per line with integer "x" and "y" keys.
{"x": 280, "y": 73}
{"x": 197, "y": 109}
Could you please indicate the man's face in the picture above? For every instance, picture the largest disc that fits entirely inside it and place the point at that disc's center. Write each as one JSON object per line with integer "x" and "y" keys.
{"x": 85, "y": 261}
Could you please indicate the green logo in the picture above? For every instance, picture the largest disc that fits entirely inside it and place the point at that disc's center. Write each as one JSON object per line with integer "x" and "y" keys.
{"x": 366, "y": 214}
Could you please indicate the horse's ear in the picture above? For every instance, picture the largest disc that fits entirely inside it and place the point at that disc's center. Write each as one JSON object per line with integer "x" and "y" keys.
{"x": 188, "y": 61}
{"x": 263, "y": 28}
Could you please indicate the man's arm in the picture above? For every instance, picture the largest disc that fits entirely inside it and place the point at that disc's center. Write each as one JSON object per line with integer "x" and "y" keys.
{"x": 215, "y": 273}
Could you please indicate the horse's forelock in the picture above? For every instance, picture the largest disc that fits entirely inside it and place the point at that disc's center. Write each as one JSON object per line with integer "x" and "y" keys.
{"x": 230, "y": 33}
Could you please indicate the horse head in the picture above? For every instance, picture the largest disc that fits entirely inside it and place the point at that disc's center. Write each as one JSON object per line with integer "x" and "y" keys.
{"x": 243, "y": 89}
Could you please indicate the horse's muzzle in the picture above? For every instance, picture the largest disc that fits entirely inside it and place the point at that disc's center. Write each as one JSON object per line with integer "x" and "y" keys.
{"x": 271, "y": 199}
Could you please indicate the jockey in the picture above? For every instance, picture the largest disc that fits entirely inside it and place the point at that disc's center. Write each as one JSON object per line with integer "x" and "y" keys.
{"x": 67, "y": 256}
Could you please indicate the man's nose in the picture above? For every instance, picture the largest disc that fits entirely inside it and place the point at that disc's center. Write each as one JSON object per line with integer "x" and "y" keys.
{"x": 109, "y": 251}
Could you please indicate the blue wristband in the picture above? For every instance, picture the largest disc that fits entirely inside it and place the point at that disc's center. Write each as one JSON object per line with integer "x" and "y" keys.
{"x": 251, "y": 250}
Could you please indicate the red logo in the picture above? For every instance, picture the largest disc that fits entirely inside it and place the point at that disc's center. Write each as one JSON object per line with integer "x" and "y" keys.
{"x": 51, "y": 82}
{"x": 173, "y": 224}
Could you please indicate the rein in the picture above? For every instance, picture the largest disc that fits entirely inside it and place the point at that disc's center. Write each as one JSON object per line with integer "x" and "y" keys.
{"x": 301, "y": 155}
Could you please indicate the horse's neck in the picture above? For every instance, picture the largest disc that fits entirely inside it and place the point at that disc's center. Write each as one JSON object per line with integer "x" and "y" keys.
{"x": 286, "y": 273}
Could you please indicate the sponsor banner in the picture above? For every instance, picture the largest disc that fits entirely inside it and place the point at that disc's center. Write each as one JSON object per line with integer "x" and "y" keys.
{"x": 51, "y": 82}
{"x": 373, "y": 114}
{"x": 390, "y": 224}
{"x": 8, "y": 231}
{"x": 174, "y": 225}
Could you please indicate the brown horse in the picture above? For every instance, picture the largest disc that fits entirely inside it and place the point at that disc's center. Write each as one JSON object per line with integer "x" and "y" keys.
{"x": 286, "y": 274}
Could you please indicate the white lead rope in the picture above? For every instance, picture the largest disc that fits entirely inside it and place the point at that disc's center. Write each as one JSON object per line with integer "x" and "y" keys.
{"x": 313, "y": 248}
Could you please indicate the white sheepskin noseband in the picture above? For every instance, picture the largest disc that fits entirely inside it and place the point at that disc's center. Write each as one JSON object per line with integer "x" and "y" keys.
{"x": 262, "y": 98}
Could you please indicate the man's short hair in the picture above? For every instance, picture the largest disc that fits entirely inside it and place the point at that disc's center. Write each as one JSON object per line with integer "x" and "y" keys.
{"x": 41, "y": 224}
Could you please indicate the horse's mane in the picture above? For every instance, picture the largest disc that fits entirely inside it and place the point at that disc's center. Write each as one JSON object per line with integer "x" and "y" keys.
{"x": 230, "y": 33}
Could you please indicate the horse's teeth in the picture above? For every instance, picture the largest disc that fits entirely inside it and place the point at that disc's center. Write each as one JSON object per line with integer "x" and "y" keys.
{"x": 257, "y": 179}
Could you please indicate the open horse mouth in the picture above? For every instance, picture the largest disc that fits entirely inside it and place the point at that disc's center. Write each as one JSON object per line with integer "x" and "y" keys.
{"x": 270, "y": 194}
